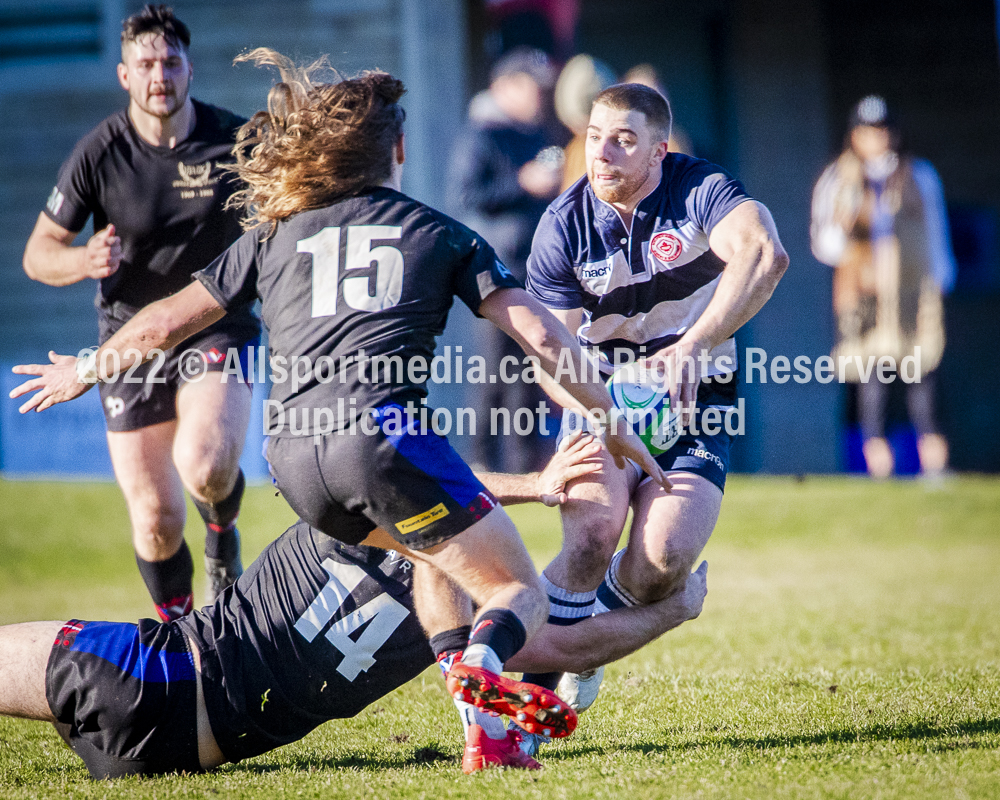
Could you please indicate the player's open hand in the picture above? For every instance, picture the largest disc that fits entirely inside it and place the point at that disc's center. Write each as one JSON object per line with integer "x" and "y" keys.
{"x": 103, "y": 254}
{"x": 57, "y": 383}
{"x": 693, "y": 594}
{"x": 569, "y": 463}
{"x": 623, "y": 443}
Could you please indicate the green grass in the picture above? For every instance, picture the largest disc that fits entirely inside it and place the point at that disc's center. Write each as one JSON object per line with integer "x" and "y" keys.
{"x": 849, "y": 648}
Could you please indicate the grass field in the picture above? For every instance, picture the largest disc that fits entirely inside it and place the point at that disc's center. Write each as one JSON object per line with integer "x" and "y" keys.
{"x": 849, "y": 648}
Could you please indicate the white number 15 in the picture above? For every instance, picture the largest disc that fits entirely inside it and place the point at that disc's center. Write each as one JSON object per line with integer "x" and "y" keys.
{"x": 387, "y": 261}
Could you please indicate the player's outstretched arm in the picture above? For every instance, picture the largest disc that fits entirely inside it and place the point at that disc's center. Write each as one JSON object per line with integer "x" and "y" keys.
{"x": 548, "y": 486}
{"x": 51, "y": 258}
{"x": 610, "y": 636}
{"x": 544, "y": 337}
{"x": 157, "y": 327}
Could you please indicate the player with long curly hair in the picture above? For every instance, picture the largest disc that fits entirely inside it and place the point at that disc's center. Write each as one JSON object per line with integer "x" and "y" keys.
{"x": 347, "y": 268}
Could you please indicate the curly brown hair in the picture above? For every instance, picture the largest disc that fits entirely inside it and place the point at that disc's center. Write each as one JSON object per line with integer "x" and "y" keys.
{"x": 317, "y": 142}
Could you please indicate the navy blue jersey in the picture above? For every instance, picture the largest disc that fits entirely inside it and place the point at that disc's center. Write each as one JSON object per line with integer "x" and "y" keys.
{"x": 166, "y": 204}
{"x": 314, "y": 630}
{"x": 641, "y": 288}
{"x": 354, "y": 296}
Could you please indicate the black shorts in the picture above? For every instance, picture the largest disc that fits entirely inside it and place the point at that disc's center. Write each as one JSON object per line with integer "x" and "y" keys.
{"x": 147, "y": 395}
{"x": 125, "y": 697}
{"x": 403, "y": 478}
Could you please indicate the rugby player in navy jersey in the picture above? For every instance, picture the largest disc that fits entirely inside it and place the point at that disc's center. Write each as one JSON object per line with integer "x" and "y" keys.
{"x": 279, "y": 654}
{"x": 661, "y": 256}
{"x": 153, "y": 178}
{"x": 351, "y": 272}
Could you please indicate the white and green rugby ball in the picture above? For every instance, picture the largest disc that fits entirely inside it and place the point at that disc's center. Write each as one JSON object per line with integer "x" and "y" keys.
{"x": 646, "y": 405}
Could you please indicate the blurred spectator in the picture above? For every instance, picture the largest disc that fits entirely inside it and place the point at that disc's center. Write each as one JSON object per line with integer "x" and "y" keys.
{"x": 548, "y": 25}
{"x": 581, "y": 80}
{"x": 647, "y": 75}
{"x": 878, "y": 216}
{"x": 504, "y": 171}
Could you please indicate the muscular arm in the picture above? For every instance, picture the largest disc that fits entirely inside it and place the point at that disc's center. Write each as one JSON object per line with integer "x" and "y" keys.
{"x": 50, "y": 257}
{"x": 572, "y": 319}
{"x": 569, "y": 463}
{"x": 747, "y": 240}
{"x": 610, "y": 636}
{"x": 541, "y": 335}
{"x": 165, "y": 323}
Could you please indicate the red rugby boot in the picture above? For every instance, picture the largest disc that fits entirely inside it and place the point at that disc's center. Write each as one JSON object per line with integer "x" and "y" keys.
{"x": 531, "y": 707}
{"x": 481, "y": 752}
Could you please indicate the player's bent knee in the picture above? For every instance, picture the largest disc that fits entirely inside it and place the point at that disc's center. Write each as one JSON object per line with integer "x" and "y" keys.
{"x": 652, "y": 582}
{"x": 210, "y": 478}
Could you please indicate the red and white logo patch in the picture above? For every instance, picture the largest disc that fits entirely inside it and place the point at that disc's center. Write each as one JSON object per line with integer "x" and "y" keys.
{"x": 665, "y": 247}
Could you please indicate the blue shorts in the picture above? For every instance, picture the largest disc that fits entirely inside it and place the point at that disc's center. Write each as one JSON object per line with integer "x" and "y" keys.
{"x": 700, "y": 454}
{"x": 125, "y": 697}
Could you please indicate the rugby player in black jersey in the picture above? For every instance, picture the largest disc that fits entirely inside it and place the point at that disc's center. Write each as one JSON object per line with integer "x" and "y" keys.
{"x": 349, "y": 272}
{"x": 278, "y": 655}
{"x": 153, "y": 177}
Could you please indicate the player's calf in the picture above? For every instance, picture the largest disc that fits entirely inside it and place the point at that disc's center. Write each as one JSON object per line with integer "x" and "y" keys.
{"x": 223, "y": 561}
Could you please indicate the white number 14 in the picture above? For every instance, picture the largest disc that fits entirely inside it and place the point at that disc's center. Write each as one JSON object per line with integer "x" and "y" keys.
{"x": 383, "y": 613}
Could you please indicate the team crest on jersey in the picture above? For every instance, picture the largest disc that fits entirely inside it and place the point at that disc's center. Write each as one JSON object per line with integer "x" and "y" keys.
{"x": 665, "y": 247}
{"x": 194, "y": 176}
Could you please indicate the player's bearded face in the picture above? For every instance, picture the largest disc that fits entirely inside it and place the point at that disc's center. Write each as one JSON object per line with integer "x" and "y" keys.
{"x": 621, "y": 152}
{"x": 157, "y": 75}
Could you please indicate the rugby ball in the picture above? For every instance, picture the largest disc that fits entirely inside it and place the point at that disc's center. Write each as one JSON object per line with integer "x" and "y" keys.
{"x": 646, "y": 405}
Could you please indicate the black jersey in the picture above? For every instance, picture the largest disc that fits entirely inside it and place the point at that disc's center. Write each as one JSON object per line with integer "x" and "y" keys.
{"x": 166, "y": 204}
{"x": 354, "y": 296}
{"x": 314, "y": 630}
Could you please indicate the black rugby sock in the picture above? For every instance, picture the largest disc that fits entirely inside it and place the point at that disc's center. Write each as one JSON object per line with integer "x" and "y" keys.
{"x": 500, "y": 630}
{"x": 220, "y": 522}
{"x": 450, "y": 642}
{"x": 547, "y": 680}
{"x": 170, "y": 582}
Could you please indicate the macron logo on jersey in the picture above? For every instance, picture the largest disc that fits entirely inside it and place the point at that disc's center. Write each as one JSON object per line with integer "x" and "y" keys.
{"x": 55, "y": 201}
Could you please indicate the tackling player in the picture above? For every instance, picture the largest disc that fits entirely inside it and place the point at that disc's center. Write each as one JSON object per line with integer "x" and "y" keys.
{"x": 278, "y": 655}
{"x": 351, "y": 273}
{"x": 663, "y": 256}
{"x": 153, "y": 177}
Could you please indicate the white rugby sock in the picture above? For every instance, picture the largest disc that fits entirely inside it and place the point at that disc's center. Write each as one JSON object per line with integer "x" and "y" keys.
{"x": 481, "y": 655}
{"x": 470, "y": 715}
{"x": 611, "y": 594}
{"x": 566, "y": 607}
